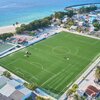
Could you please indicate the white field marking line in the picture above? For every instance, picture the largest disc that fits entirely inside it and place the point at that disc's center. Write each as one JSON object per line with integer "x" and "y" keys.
{"x": 83, "y": 42}
{"x": 12, "y": 62}
{"x": 87, "y": 42}
{"x": 64, "y": 88}
{"x": 40, "y": 67}
{"x": 84, "y": 58}
{"x": 29, "y": 75}
{"x": 48, "y": 71}
{"x": 47, "y": 45}
{"x": 57, "y": 78}
{"x": 82, "y": 71}
{"x": 57, "y": 48}
{"x": 63, "y": 76}
{"x": 20, "y": 73}
{"x": 53, "y": 77}
{"x": 32, "y": 63}
{"x": 32, "y": 79}
{"x": 23, "y": 71}
{"x": 77, "y": 51}
{"x": 67, "y": 77}
{"x": 54, "y": 80}
{"x": 81, "y": 34}
{"x": 70, "y": 82}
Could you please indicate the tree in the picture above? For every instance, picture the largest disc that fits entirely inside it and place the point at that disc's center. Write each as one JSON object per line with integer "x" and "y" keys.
{"x": 31, "y": 33}
{"x": 30, "y": 86}
{"x": 96, "y": 24}
{"x": 97, "y": 73}
{"x": 69, "y": 92}
{"x": 70, "y": 13}
{"x": 77, "y": 97}
{"x": 59, "y": 15}
{"x": 41, "y": 23}
{"x": 74, "y": 87}
{"x": 5, "y": 36}
{"x": 7, "y": 74}
{"x": 87, "y": 9}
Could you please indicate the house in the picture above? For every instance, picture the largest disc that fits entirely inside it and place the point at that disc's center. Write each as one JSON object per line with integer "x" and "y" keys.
{"x": 3, "y": 81}
{"x": 16, "y": 95}
{"x": 92, "y": 92}
{"x": 73, "y": 27}
{"x": 14, "y": 83}
{"x": 7, "y": 90}
{"x": 11, "y": 89}
{"x": 2, "y": 97}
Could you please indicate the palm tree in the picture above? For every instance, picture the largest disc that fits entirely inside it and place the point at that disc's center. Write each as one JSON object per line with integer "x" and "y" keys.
{"x": 97, "y": 73}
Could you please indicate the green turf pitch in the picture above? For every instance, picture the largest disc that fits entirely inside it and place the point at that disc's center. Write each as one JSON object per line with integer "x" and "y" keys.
{"x": 55, "y": 62}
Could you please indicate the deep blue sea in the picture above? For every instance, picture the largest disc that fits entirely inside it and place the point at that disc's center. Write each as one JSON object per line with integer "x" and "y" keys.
{"x": 24, "y": 11}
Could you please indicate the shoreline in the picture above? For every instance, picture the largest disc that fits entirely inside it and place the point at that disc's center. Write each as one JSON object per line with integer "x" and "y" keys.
{"x": 7, "y": 29}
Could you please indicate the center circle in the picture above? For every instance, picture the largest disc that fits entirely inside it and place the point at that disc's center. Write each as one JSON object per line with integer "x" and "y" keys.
{"x": 60, "y": 50}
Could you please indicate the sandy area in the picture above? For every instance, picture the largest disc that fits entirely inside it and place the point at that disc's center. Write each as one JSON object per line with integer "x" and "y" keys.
{"x": 7, "y": 29}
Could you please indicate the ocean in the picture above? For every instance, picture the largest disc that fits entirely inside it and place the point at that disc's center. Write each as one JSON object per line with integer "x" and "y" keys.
{"x": 25, "y": 11}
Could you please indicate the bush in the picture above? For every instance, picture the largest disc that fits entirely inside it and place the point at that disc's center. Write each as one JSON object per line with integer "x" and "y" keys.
{"x": 5, "y": 36}
{"x": 7, "y": 74}
{"x": 30, "y": 86}
{"x": 42, "y": 98}
{"x": 69, "y": 92}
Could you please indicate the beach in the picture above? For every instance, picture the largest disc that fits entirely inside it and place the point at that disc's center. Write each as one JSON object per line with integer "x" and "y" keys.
{"x": 7, "y": 29}
{"x": 25, "y": 11}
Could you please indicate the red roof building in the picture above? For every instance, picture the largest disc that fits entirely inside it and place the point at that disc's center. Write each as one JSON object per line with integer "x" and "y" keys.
{"x": 92, "y": 91}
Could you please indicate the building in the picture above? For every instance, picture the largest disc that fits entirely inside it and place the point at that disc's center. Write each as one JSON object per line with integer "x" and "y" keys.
{"x": 92, "y": 92}
{"x": 13, "y": 89}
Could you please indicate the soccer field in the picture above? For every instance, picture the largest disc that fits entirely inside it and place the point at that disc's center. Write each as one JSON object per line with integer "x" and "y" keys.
{"x": 54, "y": 63}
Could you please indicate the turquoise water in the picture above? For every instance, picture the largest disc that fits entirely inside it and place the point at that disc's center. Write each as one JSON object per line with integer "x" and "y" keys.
{"x": 25, "y": 11}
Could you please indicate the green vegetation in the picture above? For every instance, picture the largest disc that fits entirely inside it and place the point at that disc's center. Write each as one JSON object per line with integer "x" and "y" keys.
{"x": 41, "y": 23}
{"x": 96, "y": 24}
{"x": 7, "y": 74}
{"x": 42, "y": 98}
{"x": 77, "y": 97}
{"x": 97, "y": 73}
{"x": 69, "y": 92}
{"x": 54, "y": 63}
{"x": 72, "y": 90}
{"x": 69, "y": 23}
{"x": 87, "y": 9}
{"x": 30, "y": 86}
{"x": 59, "y": 15}
{"x": 5, "y": 36}
{"x": 70, "y": 13}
